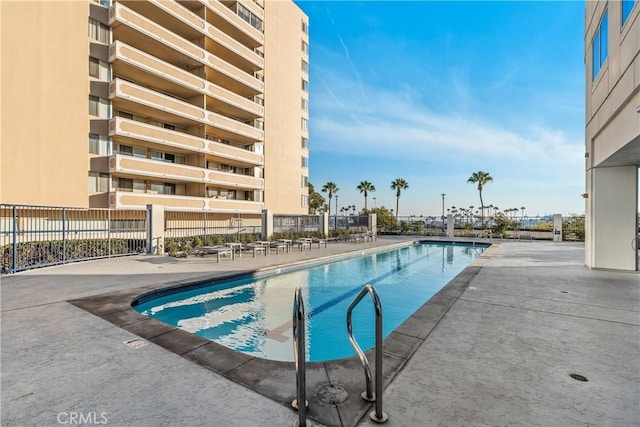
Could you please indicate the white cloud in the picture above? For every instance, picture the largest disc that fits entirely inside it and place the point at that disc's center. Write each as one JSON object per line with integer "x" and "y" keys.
{"x": 396, "y": 125}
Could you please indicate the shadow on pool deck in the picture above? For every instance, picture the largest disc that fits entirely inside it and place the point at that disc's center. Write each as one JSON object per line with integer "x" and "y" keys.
{"x": 275, "y": 379}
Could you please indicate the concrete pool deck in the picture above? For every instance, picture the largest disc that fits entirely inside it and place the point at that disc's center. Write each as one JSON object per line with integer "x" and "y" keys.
{"x": 499, "y": 353}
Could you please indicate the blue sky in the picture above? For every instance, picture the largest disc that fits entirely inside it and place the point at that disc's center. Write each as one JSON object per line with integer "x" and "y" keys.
{"x": 433, "y": 91}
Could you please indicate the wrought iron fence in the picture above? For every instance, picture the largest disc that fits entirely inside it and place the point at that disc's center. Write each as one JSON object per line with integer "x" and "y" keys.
{"x": 349, "y": 223}
{"x": 508, "y": 226}
{"x": 39, "y": 236}
{"x": 206, "y": 227}
{"x": 297, "y": 224}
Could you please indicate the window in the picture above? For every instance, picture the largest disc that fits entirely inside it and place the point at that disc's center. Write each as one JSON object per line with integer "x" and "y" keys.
{"x": 305, "y": 181}
{"x": 162, "y": 188}
{"x": 600, "y": 48}
{"x": 98, "y": 69}
{"x": 94, "y": 67}
{"x": 127, "y": 150}
{"x": 248, "y": 16}
{"x": 305, "y": 46}
{"x": 305, "y": 27}
{"x": 305, "y": 124}
{"x": 99, "y": 145}
{"x": 305, "y": 66}
{"x": 305, "y": 85}
{"x": 98, "y": 107}
{"x": 627, "y": 6}
{"x": 305, "y": 201}
{"x": 98, "y": 31}
{"x": 305, "y": 162}
{"x": 124, "y": 114}
{"x": 305, "y": 105}
{"x": 305, "y": 143}
{"x": 98, "y": 182}
{"x": 125, "y": 184}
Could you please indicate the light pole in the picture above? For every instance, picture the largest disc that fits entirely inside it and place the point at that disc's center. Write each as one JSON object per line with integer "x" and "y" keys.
{"x": 443, "y": 210}
{"x": 375, "y": 206}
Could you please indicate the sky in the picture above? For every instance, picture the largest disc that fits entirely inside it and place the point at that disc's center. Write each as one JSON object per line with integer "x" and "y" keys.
{"x": 432, "y": 91}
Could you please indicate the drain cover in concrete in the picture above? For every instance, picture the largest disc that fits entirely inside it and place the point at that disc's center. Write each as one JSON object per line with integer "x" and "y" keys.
{"x": 332, "y": 394}
{"x": 135, "y": 343}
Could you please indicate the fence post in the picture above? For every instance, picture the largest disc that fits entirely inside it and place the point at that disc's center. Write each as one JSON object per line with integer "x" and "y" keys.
{"x": 324, "y": 224}
{"x": 15, "y": 238}
{"x": 109, "y": 232}
{"x": 373, "y": 224}
{"x": 155, "y": 229}
{"x": 557, "y": 228}
{"x": 267, "y": 224}
{"x": 64, "y": 235}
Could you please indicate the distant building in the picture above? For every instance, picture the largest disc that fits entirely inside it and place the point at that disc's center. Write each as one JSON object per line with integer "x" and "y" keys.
{"x": 194, "y": 105}
{"x": 612, "y": 153}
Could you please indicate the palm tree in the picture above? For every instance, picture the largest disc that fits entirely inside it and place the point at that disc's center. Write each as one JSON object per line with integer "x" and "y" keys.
{"x": 365, "y": 187}
{"x": 399, "y": 184}
{"x": 330, "y": 188}
{"x": 481, "y": 178}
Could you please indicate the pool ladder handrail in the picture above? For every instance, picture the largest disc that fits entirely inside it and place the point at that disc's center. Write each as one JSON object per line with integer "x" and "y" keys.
{"x": 299, "y": 357}
{"x": 378, "y": 414}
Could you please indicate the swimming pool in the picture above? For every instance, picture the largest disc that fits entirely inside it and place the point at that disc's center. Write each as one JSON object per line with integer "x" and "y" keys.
{"x": 253, "y": 315}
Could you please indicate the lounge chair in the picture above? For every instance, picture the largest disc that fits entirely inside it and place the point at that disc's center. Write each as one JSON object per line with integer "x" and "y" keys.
{"x": 303, "y": 243}
{"x": 319, "y": 241}
{"x": 279, "y": 246}
{"x": 218, "y": 251}
{"x": 256, "y": 248}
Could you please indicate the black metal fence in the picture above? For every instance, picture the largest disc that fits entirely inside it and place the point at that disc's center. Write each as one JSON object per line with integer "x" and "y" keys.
{"x": 514, "y": 226}
{"x": 297, "y": 224}
{"x": 39, "y": 236}
{"x": 186, "y": 230}
{"x": 348, "y": 223}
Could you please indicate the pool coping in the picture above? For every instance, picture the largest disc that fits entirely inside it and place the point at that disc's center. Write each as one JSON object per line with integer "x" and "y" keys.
{"x": 274, "y": 379}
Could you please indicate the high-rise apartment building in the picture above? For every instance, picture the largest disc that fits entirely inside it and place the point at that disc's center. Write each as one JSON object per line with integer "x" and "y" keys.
{"x": 194, "y": 105}
{"x": 612, "y": 154}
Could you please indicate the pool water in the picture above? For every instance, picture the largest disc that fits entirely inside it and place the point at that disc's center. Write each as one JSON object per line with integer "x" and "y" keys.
{"x": 253, "y": 316}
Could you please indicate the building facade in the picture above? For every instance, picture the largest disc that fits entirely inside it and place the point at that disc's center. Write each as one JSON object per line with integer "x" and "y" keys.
{"x": 176, "y": 103}
{"x": 612, "y": 137}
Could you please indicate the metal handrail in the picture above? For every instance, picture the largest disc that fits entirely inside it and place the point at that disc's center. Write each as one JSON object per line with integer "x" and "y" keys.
{"x": 299, "y": 357}
{"x": 634, "y": 242}
{"x": 377, "y": 415}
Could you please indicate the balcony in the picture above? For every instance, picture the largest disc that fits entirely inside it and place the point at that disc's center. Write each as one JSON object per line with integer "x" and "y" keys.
{"x": 129, "y": 200}
{"x": 226, "y": 19}
{"x": 132, "y": 97}
{"x": 183, "y": 22}
{"x": 136, "y": 30}
{"x": 136, "y": 166}
{"x": 125, "y": 128}
{"x": 144, "y": 68}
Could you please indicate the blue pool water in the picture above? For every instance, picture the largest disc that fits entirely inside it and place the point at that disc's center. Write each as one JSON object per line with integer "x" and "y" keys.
{"x": 253, "y": 316}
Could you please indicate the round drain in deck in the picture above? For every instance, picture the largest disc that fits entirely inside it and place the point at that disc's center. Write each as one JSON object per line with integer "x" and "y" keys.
{"x": 332, "y": 394}
{"x": 579, "y": 377}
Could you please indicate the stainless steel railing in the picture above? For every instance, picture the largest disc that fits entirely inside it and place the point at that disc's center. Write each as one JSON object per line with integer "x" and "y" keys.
{"x": 377, "y": 415}
{"x": 299, "y": 357}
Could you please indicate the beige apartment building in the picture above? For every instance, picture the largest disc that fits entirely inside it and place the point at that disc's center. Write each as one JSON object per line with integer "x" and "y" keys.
{"x": 193, "y": 105}
{"x": 612, "y": 154}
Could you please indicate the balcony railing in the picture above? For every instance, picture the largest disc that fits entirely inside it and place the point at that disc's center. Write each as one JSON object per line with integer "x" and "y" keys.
{"x": 230, "y": 16}
{"x": 124, "y": 199}
{"x": 210, "y": 31}
{"x": 119, "y": 126}
{"x": 125, "y": 16}
{"x": 140, "y": 95}
{"x": 120, "y": 51}
{"x": 129, "y": 165}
